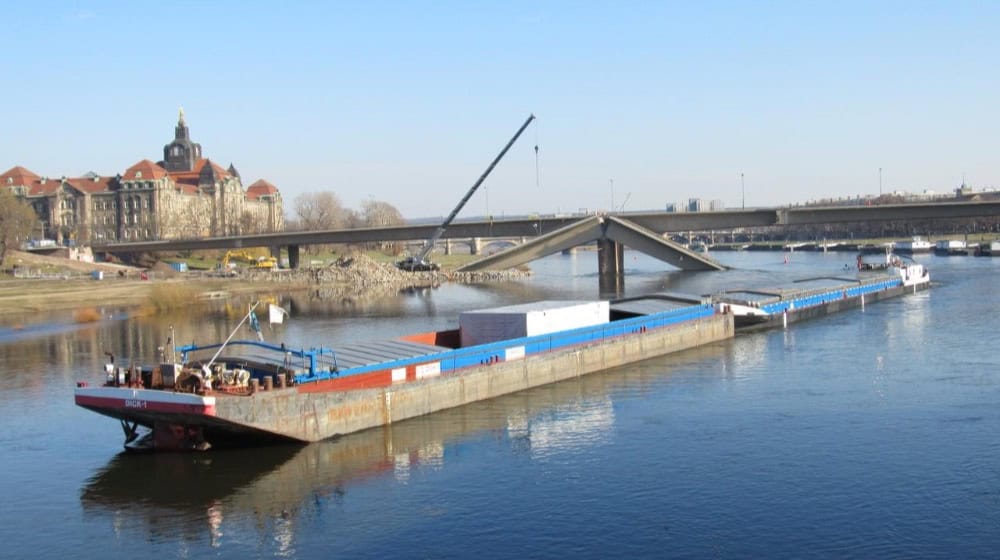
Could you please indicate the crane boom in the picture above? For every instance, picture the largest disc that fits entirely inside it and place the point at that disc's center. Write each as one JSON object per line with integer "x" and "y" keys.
{"x": 418, "y": 261}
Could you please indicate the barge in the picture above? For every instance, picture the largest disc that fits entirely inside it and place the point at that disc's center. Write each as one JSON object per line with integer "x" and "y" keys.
{"x": 814, "y": 297}
{"x": 249, "y": 392}
{"x": 950, "y": 247}
{"x": 913, "y": 246}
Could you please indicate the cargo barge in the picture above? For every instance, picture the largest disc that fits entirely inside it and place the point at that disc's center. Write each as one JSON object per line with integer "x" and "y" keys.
{"x": 814, "y": 297}
{"x": 248, "y": 392}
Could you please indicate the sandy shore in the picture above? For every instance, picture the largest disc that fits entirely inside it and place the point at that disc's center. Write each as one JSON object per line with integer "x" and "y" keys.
{"x": 59, "y": 284}
{"x": 45, "y": 284}
{"x": 19, "y": 297}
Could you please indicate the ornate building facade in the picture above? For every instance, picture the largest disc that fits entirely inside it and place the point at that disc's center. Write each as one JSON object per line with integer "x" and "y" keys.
{"x": 184, "y": 196}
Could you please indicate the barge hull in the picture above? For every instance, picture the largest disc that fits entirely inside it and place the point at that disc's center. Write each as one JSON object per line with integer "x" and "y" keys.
{"x": 761, "y": 322}
{"x": 310, "y": 417}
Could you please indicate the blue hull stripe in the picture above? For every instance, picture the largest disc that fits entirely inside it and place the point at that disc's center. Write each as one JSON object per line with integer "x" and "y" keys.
{"x": 827, "y": 297}
{"x": 485, "y": 353}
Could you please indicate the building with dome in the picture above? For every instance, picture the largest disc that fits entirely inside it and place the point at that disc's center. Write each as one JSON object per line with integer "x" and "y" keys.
{"x": 183, "y": 196}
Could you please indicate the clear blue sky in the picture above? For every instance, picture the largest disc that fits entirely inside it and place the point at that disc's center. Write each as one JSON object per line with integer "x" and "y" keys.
{"x": 407, "y": 102}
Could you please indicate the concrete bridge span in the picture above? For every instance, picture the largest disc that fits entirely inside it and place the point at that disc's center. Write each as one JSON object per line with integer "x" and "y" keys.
{"x": 612, "y": 234}
{"x": 654, "y": 223}
{"x": 659, "y": 222}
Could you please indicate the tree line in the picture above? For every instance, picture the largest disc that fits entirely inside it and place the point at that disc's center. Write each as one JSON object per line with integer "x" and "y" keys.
{"x": 325, "y": 211}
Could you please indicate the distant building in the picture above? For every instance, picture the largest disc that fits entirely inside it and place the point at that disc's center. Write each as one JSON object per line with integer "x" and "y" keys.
{"x": 183, "y": 196}
{"x": 717, "y": 206}
{"x": 696, "y": 205}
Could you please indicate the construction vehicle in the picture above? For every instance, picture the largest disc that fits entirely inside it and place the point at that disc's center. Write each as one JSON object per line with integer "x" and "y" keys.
{"x": 420, "y": 262}
{"x": 245, "y": 257}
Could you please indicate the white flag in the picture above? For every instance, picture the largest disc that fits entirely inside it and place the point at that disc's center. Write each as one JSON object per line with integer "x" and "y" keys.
{"x": 275, "y": 314}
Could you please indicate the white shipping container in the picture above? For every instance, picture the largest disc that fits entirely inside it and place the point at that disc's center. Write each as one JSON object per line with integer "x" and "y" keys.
{"x": 529, "y": 319}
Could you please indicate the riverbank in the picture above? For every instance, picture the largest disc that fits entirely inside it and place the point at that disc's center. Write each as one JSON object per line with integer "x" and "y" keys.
{"x": 36, "y": 283}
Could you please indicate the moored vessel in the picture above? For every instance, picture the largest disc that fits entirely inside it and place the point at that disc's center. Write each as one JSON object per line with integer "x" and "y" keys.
{"x": 813, "y": 297}
{"x": 914, "y": 245}
{"x": 950, "y": 247}
{"x": 988, "y": 249}
{"x": 249, "y": 392}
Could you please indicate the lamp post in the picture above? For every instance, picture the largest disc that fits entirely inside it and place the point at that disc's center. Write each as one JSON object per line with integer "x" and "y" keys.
{"x": 612, "y": 194}
{"x": 880, "y": 182}
{"x": 743, "y": 191}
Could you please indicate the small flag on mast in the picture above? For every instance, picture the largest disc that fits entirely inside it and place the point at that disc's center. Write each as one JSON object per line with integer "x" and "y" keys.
{"x": 255, "y": 326}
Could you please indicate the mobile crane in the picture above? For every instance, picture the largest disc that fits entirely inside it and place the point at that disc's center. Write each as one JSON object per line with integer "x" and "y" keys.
{"x": 420, "y": 262}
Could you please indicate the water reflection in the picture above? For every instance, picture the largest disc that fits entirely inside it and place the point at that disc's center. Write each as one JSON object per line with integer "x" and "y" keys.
{"x": 211, "y": 498}
{"x": 565, "y": 428}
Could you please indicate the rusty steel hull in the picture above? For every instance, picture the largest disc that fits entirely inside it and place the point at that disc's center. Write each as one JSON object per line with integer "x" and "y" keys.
{"x": 310, "y": 412}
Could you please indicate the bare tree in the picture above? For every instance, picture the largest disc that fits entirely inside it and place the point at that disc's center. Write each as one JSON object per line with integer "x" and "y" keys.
{"x": 317, "y": 211}
{"x": 375, "y": 213}
{"x": 249, "y": 223}
{"x": 16, "y": 222}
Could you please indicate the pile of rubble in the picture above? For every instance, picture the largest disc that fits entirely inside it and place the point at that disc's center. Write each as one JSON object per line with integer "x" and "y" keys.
{"x": 361, "y": 272}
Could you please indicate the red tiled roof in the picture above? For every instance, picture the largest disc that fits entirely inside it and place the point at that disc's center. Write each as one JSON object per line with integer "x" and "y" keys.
{"x": 18, "y": 176}
{"x": 93, "y": 184}
{"x": 193, "y": 177}
{"x": 148, "y": 169}
{"x": 219, "y": 170}
{"x": 44, "y": 187}
{"x": 260, "y": 188}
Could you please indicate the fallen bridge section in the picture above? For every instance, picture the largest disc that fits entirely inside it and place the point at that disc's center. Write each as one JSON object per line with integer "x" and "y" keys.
{"x": 611, "y": 234}
{"x": 649, "y": 242}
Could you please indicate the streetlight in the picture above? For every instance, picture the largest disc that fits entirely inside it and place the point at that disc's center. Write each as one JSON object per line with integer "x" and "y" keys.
{"x": 880, "y": 182}
{"x": 743, "y": 191}
{"x": 612, "y": 194}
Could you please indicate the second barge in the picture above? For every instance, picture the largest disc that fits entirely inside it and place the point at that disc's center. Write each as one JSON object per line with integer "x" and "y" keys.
{"x": 814, "y": 297}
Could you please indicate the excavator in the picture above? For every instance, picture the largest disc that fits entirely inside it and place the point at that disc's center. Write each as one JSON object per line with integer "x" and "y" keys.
{"x": 419, "y": 262}
{"x": 245, "y": 257}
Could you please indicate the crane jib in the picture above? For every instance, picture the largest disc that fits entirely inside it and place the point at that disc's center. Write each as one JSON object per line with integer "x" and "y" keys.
{"x": 447, "y": 221}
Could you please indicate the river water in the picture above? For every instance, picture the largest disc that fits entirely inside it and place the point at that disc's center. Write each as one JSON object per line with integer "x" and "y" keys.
{"x": 871, "y": 433}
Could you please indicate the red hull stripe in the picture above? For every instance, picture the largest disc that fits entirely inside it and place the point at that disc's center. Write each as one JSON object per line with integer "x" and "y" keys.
{"x": 113, "y": 398}
{"x": 382, "y": 378}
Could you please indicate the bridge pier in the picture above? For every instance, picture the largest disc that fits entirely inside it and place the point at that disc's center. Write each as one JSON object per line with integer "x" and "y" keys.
{"x": 293, "y": 256}
{"x": 610, "y": 266}
{"x": 447, "y": 246}
{"x": 476, "y": 245}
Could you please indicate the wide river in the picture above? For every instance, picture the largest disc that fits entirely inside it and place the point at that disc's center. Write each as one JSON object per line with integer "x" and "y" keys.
{"x": 872, "y": 433}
